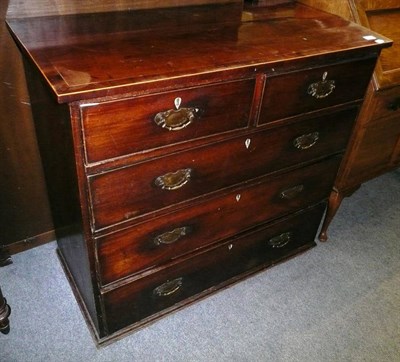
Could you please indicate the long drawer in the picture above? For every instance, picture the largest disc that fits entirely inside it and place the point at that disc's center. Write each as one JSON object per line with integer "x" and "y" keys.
{"x": 173, "y": 286}
{"x": 122, "y": 127}
{"x": 159, "y": 240}
{"x": 314, "y": 89}
{"x": 140, "y": 189}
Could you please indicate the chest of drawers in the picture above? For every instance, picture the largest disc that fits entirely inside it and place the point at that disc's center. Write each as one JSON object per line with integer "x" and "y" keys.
{"x": 181, "y": 161}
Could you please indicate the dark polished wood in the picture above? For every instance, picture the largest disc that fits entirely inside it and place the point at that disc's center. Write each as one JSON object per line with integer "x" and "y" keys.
{"x": 219, "y": 108}
{"x": 134, "y": 249}
{"x": 31, "y": 8}
{"x": 116, "y": 199}
{"x": 172, "y": 169}
{"x": 375, "y": 144}
{"x": 5, "y": 312}
{"x": 25, "y": 218}
{"x": 286, "y": 89}
{"x": 216, "y": 266}
{"x": 161, "y": 57}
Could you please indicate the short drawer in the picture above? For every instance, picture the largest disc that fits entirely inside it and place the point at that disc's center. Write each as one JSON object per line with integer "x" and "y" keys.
{"x": 305, "y": 91}
{"x": 176, "y": 285}
{"x": 133, "y": 191}
{"x": 114, "y": 129}
{"x": 159, "y": 240}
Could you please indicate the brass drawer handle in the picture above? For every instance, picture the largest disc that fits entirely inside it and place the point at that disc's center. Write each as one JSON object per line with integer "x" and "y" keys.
{"x": 172, "y": 236}
{"x": 306, "y": 141}
{"x": 173, "y": 180}
{"x": 280, "y": 241}
{"x": 323, "y": 88}
{"x": 292, "y": 192}
{"x": 176, "y": 119}
{"x": 168, "y": 288}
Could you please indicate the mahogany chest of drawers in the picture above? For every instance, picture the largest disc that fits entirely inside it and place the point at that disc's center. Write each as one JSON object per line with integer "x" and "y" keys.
{"x": 183, "y": 157}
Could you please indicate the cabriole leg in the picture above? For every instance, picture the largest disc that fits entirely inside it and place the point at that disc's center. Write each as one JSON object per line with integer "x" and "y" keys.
{"x": 335, "y": 199}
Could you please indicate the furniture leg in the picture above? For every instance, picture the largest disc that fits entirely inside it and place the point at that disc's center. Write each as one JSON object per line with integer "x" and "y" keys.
{"x": 5, "y": 258}
{"x": 335, "y": 199}
{"x": 5, "y": 312}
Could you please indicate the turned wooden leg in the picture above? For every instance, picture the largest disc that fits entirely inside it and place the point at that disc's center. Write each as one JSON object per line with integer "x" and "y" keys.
{"x": 5, "y": 258}
{"x": 335, "y": 199}
{"x": 5, "y": 312}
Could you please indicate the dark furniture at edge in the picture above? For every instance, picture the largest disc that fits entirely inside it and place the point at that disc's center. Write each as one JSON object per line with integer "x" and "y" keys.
{"x": 374, "y": 147}
{"x": 5, "y": 312}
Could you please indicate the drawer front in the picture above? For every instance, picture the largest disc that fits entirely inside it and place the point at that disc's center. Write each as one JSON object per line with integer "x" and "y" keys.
{"x": 119, "y": 128}
{"x": 375, "y": 151}
{"x": 169, "y": 288}
{"x": 314, "y": 89}
{"x": 159, "y": 240}
{"x": 387, "y": 104}
{"x": 130, "y": 192}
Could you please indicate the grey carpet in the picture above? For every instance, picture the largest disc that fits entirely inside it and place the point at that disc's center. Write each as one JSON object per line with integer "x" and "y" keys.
{"x": 338, "y": 302}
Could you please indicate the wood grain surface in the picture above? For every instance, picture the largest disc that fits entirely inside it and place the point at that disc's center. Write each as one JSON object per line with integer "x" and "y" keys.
{"x": 31, "y": 8}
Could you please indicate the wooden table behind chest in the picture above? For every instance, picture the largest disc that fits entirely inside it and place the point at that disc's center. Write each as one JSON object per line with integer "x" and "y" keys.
{"x": 187, "y": 154}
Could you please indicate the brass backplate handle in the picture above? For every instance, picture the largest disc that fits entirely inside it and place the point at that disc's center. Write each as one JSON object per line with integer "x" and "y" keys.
{"x": 168, "y": 288}
{"x": 292, "y": 192}
{"x": 176, "y": 119}
{"x": 281, "y": 240}
{"x": 306, "y": 141}
{"x": 171, "y": 237}
{"x": 173, "y": 180}
{"x": 323, "y": 88}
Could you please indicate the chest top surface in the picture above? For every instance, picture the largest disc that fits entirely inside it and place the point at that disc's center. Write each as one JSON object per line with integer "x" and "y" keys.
{"x": 90, "y": 55}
